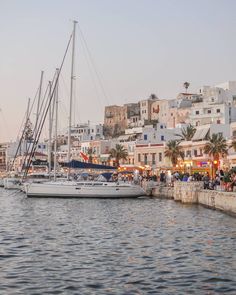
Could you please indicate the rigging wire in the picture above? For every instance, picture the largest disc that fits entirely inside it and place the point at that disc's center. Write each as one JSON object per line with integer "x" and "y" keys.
{"x": 93, "y": 64}
{"x": 46, "y": 110}
{"x": 24, "y": 122}
{"x": 91, "y": 72}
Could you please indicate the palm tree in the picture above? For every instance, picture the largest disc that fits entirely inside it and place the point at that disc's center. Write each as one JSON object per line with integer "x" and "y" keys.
{"x": 233, "y": 145}
{"x": 90, "y": 153}
{"x": 188, "y": 132}
{"x": 174, "y": 151}
{"x": 216, "y": 147}
{"x": 119, "y": 152}
{"x": 186, "y": 86}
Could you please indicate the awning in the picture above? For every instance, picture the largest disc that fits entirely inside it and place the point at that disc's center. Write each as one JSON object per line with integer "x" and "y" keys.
{"x": 85, "y": 165}
{"x": 200, "y": 134}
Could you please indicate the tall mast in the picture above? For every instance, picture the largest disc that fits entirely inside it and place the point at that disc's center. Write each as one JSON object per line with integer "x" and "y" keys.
{"x": 39, "y": 101}
{"x": 24, "y": 149}
{"x": 50, "y": 131}
{"x": 71, "y": 90}
{"x": 27, "y": 122}
{"x": 56, "y": 121}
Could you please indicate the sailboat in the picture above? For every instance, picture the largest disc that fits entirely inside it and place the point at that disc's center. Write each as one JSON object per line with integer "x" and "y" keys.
{"x": 79, "y": 189}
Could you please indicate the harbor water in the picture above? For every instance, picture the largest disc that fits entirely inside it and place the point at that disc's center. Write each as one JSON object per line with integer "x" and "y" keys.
{"x": 118, "y": 246}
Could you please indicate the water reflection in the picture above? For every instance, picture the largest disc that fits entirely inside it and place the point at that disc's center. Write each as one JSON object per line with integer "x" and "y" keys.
{"x": 133, "y": 246}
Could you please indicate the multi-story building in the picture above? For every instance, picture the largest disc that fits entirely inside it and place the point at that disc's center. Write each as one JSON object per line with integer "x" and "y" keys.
{"x": 118, "y": 118}
{"x": 217, "y": 106}
{"x": 151, "y": 156}
{"x": 212, "y": 113}
{"x": 159, "y": 134}
{"x": 87, "y": 131}
{"x": 224, "y": 92}
{"x": 147, "y": 107}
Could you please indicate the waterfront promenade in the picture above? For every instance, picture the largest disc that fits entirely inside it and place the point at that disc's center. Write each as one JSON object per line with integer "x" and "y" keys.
{"x": 193, "y": 193}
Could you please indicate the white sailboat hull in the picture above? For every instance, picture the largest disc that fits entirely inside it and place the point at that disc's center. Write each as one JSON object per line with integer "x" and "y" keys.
{"x": 69, "y": 189}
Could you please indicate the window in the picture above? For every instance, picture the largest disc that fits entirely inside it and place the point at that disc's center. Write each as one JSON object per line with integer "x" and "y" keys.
{"x": 145, "y": 136}
{"x": 153, "y": 159}
{"x": 218, "y": 122}
{"x": 162, "y": 137}
{"x": 161, "y": 126}
{"x": 195, "y": 153}
{"x": 145, "y": 159}
{"x": 139, "y": 157}
{"x": 218, "y": 110}
{"x": 197, "y": 112}
{"x": 209, "y": 111}
{"x": 160, "y": 157}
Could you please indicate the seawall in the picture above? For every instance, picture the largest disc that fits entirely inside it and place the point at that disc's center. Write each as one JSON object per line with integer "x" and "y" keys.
{"x": 193, "y": 193}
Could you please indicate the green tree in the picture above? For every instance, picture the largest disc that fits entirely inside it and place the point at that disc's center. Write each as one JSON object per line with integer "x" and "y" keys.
{"x": 28, "y": 132}
{"x": 216, "y": 147}
{"x": 188, "y": 132}
{"x": 118, "y": 153}
{"x": 174, "y": 151}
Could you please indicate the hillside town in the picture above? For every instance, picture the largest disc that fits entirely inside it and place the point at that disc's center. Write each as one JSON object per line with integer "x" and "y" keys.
{"x": 151, "y": 135}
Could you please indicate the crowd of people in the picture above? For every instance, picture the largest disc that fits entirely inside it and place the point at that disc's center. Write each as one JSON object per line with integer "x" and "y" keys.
{"x": 222, "y": 180}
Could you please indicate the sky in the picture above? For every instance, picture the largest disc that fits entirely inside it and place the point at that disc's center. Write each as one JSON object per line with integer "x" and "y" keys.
{"x": 132, "y": 48}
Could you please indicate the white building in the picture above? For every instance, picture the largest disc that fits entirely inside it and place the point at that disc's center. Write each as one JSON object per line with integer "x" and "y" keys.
{"x": 87, "y": 131}
{"x": 159, "y": 134}
{"x": 212, "y": 113}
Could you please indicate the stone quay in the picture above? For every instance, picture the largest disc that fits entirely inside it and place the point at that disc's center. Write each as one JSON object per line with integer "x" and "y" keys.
{"x": 193, "y": 193}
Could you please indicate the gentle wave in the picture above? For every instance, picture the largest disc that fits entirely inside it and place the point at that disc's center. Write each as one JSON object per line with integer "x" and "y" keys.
{"x": 120, "y": 246}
